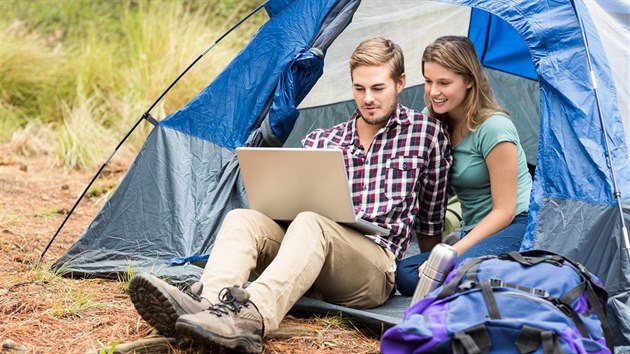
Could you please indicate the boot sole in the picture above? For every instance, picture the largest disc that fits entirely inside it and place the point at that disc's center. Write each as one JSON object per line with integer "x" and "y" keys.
{"x": 153, "y": 306}
{"x": 244, "y": 344}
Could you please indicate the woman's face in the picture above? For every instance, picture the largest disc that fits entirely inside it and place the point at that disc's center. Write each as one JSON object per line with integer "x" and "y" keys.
{"x": 445, "y": 89}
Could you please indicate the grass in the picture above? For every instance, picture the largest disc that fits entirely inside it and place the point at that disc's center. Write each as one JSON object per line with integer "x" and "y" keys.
{"x": 125, "y": 278}
{"x": 107, "y": 348}
{"x": 9, "y": 217}
{"x": 75, "y": 75}
{"x": 48, "y": 213}
{"x": 100, "y": 189}
{"x": 47, "y": 274}
{"x": 73, "y": 303}
{"x": 334, "y": 322}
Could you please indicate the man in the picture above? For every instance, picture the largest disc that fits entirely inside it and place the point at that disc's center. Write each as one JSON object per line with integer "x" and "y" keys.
{"x": 397, "y": 161}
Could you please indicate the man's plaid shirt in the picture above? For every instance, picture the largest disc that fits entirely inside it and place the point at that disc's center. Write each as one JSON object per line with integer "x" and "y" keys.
{"x": 401, "y": 178}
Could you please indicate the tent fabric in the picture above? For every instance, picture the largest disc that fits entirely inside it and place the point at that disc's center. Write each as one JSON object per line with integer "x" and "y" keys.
{"x": 302, "y": 74}
{"x": 413, "y": 24}
{"x": 171, "y": 202}
{"x": 541, "y": 57}
{"x": 177, "y": 217}
{"x": 499, "y": 46}
{"x": 221, "y": 113}
{"x": 615, "y": 39}
{"x": 618, "y": 10}
{"x": 293, "y": 86}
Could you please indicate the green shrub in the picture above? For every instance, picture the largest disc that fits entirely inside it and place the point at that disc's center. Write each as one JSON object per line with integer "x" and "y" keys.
{"x": 88, "y": 70}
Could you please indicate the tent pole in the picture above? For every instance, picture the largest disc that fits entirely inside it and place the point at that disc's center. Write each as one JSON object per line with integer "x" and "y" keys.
{"x": 609, "y": 158}
{"x": 146, "y": 115}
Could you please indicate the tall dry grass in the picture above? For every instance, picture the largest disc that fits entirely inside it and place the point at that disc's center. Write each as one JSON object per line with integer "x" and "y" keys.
{"x": 75, "y": 75}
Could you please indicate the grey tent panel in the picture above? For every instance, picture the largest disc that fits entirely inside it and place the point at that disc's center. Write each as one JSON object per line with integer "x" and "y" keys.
{"x": 606, "y": 258}
{"x": 520, "y": 96}
{"x": 170, "y": 204}
{"x": 318, "y": 117}
{"x": 618, "y": 309}
{"x": 329, "y": 115}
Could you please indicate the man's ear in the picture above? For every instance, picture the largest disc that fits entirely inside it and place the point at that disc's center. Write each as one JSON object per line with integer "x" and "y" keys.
{"x": 402, "y": 81}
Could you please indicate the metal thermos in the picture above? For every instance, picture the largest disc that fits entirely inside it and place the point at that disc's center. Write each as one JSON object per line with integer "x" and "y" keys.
{"x": 441, "y": 261}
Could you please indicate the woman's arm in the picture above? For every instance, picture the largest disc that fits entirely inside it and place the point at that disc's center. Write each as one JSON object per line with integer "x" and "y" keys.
{"x": 503, "y": 170}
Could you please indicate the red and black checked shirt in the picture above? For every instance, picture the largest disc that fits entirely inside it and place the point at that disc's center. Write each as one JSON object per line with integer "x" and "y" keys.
{"x": 402, "y": 178}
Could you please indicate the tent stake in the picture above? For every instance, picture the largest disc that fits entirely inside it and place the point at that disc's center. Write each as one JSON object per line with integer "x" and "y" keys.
{"x": 150, "y": 119}
{"x": 609, "y": 158}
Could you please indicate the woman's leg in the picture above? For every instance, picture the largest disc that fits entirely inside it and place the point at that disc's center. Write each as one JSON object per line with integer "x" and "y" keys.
{"x": 506, "y": 240}
{"x": 407, "y": 273}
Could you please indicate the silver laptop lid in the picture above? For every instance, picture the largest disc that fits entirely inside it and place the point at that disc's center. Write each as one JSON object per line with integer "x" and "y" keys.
{"x": 282, "y": 182}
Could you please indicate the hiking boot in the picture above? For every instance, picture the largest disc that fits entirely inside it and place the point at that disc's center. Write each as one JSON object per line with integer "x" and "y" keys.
{"x": 234, "y": 323}
{"x": 160, "y": 303}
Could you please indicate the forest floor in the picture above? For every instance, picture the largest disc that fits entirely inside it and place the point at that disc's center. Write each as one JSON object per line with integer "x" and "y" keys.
{"x": 44, "y": 312}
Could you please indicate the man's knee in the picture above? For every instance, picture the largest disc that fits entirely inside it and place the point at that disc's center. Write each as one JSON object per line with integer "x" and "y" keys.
{"x": 249, "y": 223}
{"x": 308, "y": 216}
{"x": 242, "y": 215}
{"x": 311, "y": 220}
{"x": 308, "y": 224}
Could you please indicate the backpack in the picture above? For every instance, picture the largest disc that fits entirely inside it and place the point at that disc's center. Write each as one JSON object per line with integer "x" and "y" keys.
{"x": 519, "y": 302}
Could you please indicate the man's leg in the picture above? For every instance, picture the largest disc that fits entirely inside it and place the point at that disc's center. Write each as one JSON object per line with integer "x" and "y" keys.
{"x": 244, "y": 234}
{"x": 247, "y": 242}
{"x": 160, "y": 303}
{"x": 345, "y": 266}
{"x": 357, "y": 272}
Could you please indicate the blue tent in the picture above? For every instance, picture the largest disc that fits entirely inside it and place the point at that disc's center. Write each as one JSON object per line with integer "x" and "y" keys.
{"x": 559, "y": 67}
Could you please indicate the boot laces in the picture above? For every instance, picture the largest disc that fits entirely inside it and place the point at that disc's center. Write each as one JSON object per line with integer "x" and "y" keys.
{"x": 193, "y": 295}
{"x": 228, "y": 303}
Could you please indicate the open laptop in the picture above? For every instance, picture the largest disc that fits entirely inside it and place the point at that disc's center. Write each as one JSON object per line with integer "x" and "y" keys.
{"x": 282, "y": 182}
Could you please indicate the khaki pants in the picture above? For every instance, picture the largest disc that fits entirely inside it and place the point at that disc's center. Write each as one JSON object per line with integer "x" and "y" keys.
{"x": 337, "y": 263}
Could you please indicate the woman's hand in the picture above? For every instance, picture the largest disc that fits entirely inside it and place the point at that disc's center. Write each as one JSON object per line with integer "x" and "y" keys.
{"x": 421, "y": 268}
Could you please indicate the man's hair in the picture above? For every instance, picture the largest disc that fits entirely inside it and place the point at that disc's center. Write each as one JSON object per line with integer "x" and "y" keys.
{"x": 379, "y": 51}
{"x": 457, "y": 54}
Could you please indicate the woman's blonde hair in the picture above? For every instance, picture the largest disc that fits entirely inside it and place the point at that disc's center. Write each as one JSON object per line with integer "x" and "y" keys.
{"x": 458, "y": 54}
{"x": 379, "y": 51}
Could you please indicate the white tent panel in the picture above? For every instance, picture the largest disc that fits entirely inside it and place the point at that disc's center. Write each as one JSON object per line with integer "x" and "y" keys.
{"x": 616, "y": 41}
{"x": 404, "y": 22}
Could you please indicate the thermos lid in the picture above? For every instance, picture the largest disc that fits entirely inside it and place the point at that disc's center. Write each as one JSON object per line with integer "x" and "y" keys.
{"x": 443, "y": 258}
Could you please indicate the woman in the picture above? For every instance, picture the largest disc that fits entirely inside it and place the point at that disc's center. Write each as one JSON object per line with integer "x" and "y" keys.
{"x": 489, "y": 173}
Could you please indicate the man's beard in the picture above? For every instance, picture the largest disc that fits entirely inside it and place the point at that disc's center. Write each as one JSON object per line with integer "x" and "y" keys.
{"x": 381, "y": 120}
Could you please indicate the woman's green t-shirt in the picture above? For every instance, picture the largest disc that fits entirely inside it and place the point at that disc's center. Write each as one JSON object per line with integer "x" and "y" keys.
{"x": 469, "y": 175}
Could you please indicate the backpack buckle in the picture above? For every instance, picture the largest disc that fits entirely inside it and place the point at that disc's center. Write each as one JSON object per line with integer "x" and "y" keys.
{"x": 467, "y": 285}
{"x": 540, "y": 292}
{"x": 566, "y": 309}
{"x": 497, "y": 282}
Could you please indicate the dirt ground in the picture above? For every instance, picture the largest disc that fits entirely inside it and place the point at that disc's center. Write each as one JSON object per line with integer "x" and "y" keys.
{"x": 42, "y": 312}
